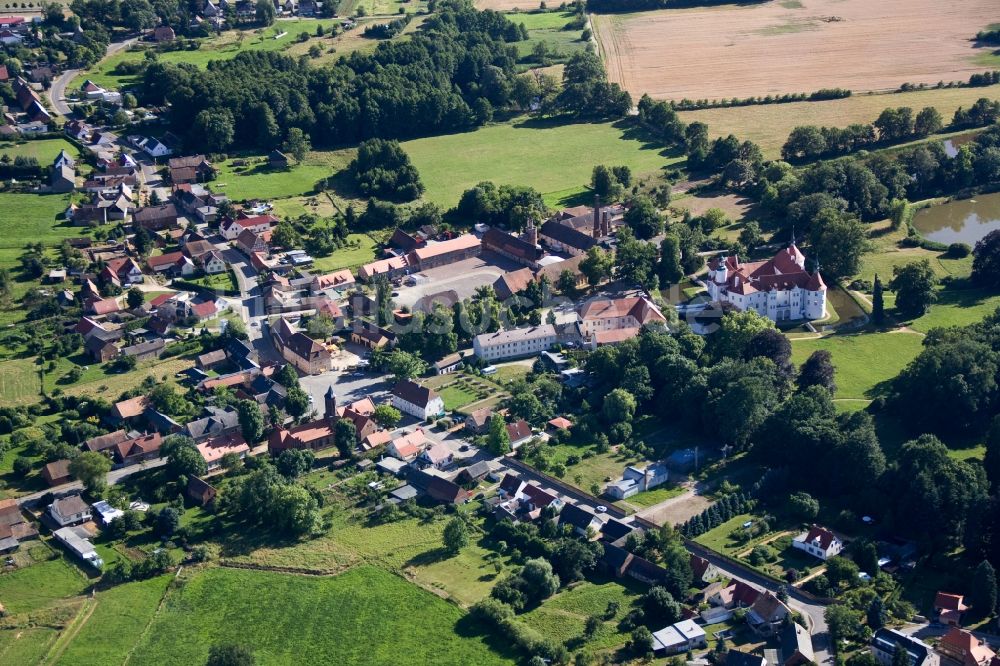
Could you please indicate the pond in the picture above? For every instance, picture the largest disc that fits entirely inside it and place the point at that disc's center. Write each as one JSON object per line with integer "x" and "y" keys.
{"x": 963, "y": 221}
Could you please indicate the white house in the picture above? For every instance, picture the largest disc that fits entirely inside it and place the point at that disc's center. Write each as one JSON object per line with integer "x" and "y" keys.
{"x": 416, "y": 400}
{"x": 155, "y": 149}
{"x": 69, "y": 510}
{"x": 77, "y": 540}
{"x": 636, "y": 480}
{"x": 515, "y": 342}
{"x": 679, "y": 637}
{"x": 409, "y": 446}
{"x": 437, "y": 455}
{"x": 213, "y": 262}
{"x": 258, "y": 224}
{"x": 819, "y": 542}
{"x": 780, "y": 288}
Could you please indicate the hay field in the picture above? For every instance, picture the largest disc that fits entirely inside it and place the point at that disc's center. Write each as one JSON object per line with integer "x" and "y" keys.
{"x": 793, "y": 46}
{"x": 509, "y": 5}
{"x": 768, "y": 125}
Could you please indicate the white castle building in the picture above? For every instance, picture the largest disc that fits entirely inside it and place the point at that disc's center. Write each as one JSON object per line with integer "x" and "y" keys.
{"x": 780, "y": 288}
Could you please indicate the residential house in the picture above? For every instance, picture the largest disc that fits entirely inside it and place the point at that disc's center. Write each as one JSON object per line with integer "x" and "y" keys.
{"x": 519, "y": 432}
{"x": 308, "y": 355}
{"x": 819, "y": 542}
{"x": 69, "y": 510}
{"x": 767, "y": 614}
{"x": 57, "y": 473}
{"x": 231, "y": 229}
{"x": 212, "y": 262}
{"x": 682, "y": 636}
{"x": 214, "y": 448}
{"x": 171, "y": 263}
{"x": 101, "y": 350}
{"x": 163, "y": 34}
{"x": 436, "y": 487}
{"x": 314, "y": 435}
{"x": 961, "y": 648}
{"x": 137, "y": 449}
{"x": 948, "y": 608}
{"x": 156, "y": 218}
{"x": 221, "y": 421}
{"x": 122, "y": 272}
{"x": 780, "y": 288}
{"x": 200, "y": 491}
{"x": 103, "y": 442}
{"x": 585, "y": 523}
{"x": 129, "y": 410}
{"x": 436, "y": 455}
{"x": 409, "y": 446}
{"x": 445, "y": 252}
{"x": 636, "y": 480}
{"x": 796, "y": 645}
{"x": 416, "y": 400}
{"x": 478, "y": 422}
{"x": 565, "y": 238}
{"x": 152, "y": 147}
{"x": 885, "y": 642}
{"x": 191, "y": 169}
{"x": 251, "y": 242}
{"x": 702, "y": 570}
{"x": 77, "y": 540}
{"x": 337, "y": 280}
{"x": 515, "y": 343}
{"x": 475, "y": 472}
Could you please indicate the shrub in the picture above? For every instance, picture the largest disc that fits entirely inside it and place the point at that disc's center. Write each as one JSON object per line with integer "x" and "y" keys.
{"x": 959, "y": 250}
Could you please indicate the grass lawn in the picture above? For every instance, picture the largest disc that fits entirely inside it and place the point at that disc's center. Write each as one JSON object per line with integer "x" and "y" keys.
{"x": 39, "y": 585}
{"x": 548, "y": 28}
{"x": 290, "y": 619}
{"x": 863, "y": 360}
{"x": 128, "y": 608}
{"x": 957, "y": 307}
{"x": 656, "y": 495}
{"x": 769, "y": 125}
{"x": 718, "y": 539}
{"x": 523, "y": 152}
{"x": 360, "y": 250}
{"x": 26, "y": 646}
{"x": 44, "y": 150}
{"x": 562, "y": 616}
{"x": 596, "y": 469}
{"x": 219, "y": 281}
{"x": 31, "y": 218}
{"x": 256, "y": 180}
{"x": 459, "y": 389}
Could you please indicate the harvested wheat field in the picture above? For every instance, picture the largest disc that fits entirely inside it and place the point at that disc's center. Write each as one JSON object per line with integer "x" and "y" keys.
{"x": 793, "y": 46}
{"x": 509, "y": 5}
{"x": 768, "y": 125}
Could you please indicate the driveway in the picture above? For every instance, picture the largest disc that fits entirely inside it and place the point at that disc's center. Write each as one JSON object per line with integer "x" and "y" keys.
{"x": 114, "y": 476}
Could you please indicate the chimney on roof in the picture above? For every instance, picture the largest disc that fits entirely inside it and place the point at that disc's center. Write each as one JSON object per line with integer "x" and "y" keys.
{"x": 597, "y": 216}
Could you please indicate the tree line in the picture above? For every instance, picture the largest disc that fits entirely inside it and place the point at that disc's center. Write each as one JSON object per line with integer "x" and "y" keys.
{"x": 450, "y": 76}
{"x": 618, "y": 6}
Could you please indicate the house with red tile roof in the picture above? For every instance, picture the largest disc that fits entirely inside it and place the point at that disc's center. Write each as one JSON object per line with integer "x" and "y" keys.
{"x": 948, "y": 608}
{"x": 231, "y": 229}
{"x": 131, "y": 451}
{"x": 961, "y": 648}
{"x": 613, "y": 320}
{"x": 819, "y": 542}
{"x": 103, "y": 306}
{"x": 780, "y": 288}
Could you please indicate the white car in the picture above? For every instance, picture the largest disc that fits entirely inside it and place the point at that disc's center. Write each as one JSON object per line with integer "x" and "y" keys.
{"x": 600, "y": 508}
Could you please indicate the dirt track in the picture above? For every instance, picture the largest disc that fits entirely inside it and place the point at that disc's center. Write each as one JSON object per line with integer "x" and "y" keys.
{"x": 792, "y": 46}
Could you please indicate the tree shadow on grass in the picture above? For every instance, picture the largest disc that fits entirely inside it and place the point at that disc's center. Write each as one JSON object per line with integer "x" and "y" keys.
{"x": 428, "y": 557}
{"x": 469, "y": 627}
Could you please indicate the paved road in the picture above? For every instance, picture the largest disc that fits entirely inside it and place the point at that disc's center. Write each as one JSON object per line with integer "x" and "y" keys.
{"x": 811, "y": 610}
{"x": 57, "y": 91}
{"x": 114, "y": 476}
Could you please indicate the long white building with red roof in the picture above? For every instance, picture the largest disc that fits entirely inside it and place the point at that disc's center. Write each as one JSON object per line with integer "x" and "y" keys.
{"x": 780, "y": 288}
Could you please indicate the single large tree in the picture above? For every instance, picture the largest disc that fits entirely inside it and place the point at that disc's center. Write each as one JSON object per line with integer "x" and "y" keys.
{"x": 838, "y": 242}
{"x": 986, "y": 260}
{"x": 983, "y": 593}
{"x": 643, "y": 218}
{"x": 456, "y": 535}
{"x": 670, "y": 269}
{"x": 230, "y": 654}
{"x": 345, "y": 437}
{"x": 818, "y": 370}
{"x": 914, "y": 284}
{"x": 91, "y": 468}
{"x": 878, "y": 301}
{"x": 251, "y": 420}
